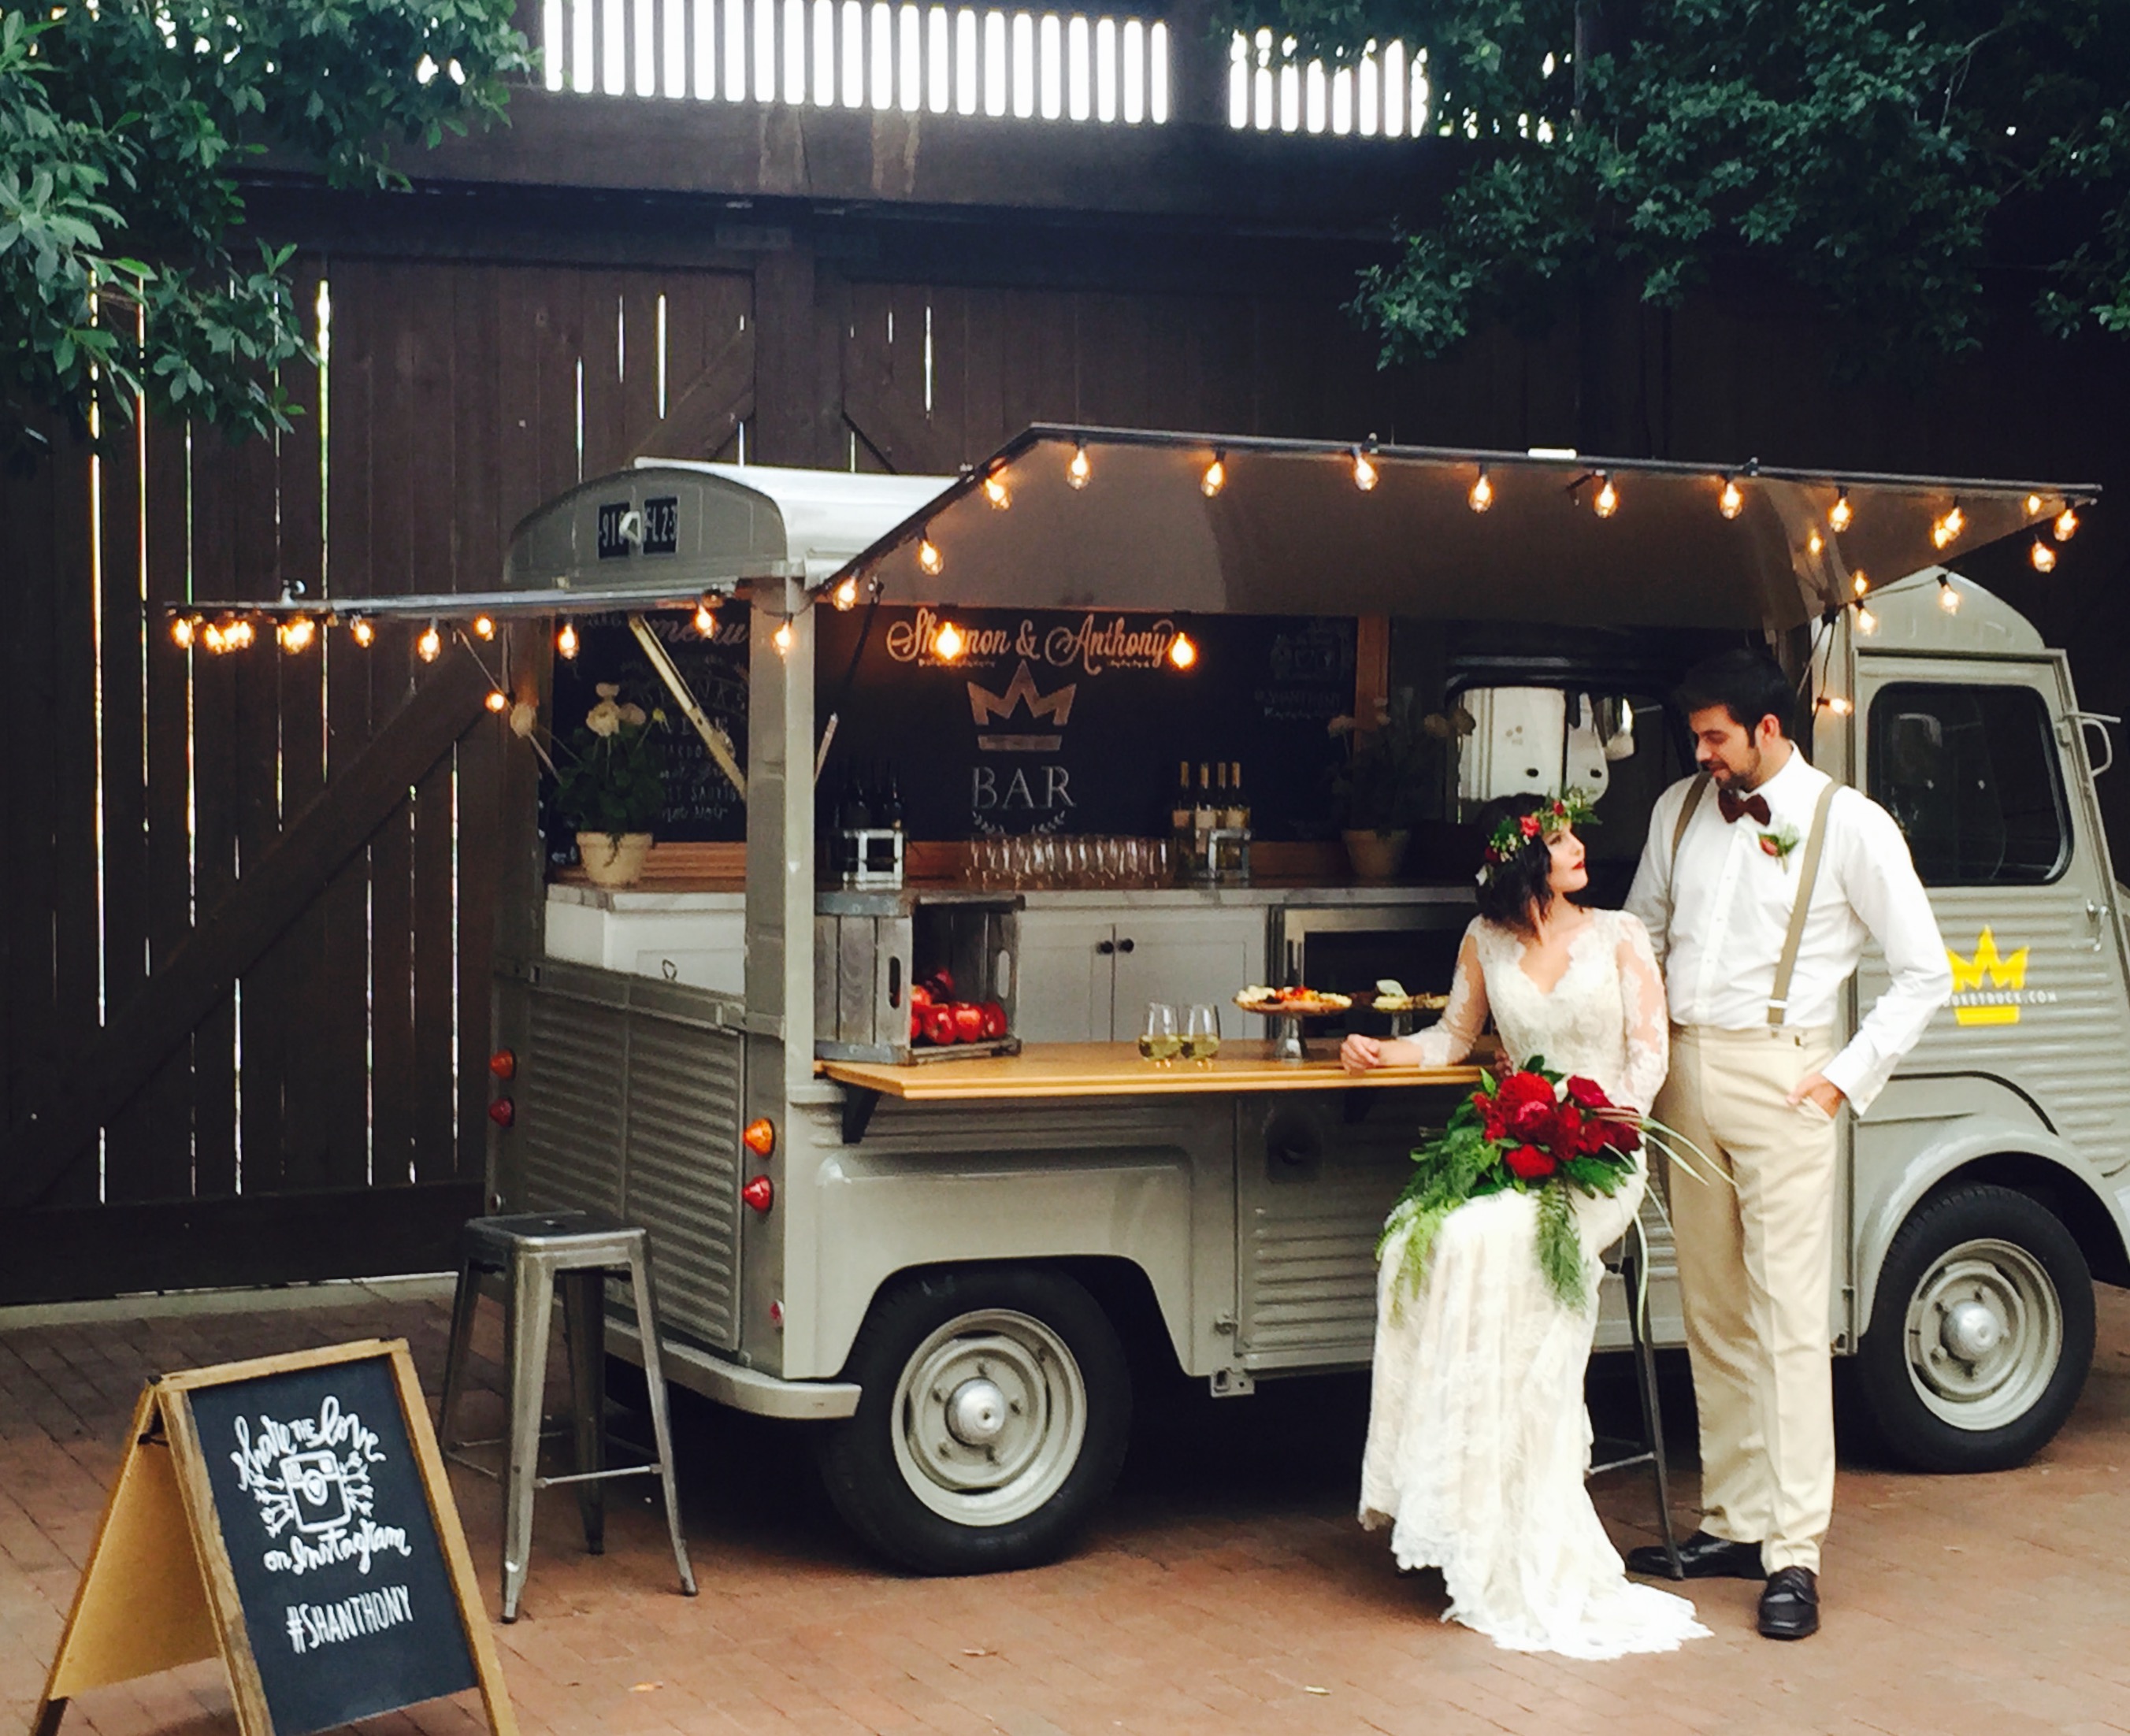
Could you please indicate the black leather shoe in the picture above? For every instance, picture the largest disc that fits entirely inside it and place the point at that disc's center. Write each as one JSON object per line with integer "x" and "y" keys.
{"x": 1700, "y": 1557}
{"x": 1789, "y": 1608}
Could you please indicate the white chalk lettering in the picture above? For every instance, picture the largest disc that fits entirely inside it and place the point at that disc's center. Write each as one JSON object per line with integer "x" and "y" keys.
{"x": 312, "y": 1625}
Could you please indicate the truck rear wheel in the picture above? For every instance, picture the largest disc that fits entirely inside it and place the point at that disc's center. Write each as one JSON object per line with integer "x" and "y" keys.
{"x": 996, "y": 1409}
{"x": 1981, "y": 1334}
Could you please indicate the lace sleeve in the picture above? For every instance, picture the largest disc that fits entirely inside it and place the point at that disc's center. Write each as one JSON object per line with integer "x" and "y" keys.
{"x": 1450, "y": 1039}
{"x": 1643, "y": 1015}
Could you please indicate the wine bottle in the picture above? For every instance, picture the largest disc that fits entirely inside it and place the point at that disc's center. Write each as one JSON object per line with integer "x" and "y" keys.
{"x": 1236, "y": 814}
{"x": 852, "y": 814}
{"x": 1203, "y": 815}
{"x": 890, "y": 806}
{"x": 1179, "y": 808}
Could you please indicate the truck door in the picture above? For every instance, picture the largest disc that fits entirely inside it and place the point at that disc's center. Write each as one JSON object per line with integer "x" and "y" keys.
{"x": 1982, "y": 761}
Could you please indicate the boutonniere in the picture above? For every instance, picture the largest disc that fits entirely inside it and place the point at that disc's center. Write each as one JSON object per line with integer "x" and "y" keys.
{"x": 1779, "y": 842}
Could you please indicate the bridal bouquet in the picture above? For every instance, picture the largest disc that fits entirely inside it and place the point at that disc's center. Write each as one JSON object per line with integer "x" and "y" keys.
{"x": 1533, "y": 1131}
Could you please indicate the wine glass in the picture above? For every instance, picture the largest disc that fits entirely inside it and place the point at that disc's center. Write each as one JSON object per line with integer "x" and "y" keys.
{"x": 1201, "y": 1032}
{"x": 1158, "y": 1041}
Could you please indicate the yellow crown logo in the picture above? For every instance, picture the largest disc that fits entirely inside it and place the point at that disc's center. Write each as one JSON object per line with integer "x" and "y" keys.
{"x": 2002, "y": 972}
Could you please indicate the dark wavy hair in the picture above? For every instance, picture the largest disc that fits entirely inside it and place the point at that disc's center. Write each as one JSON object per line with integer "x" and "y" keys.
{"x": 1508, "y": 892}
{"x": 1749, "y": 684}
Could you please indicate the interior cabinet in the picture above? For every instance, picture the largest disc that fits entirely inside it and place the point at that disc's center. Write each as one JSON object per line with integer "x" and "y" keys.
{"x": 1087, "y": 974}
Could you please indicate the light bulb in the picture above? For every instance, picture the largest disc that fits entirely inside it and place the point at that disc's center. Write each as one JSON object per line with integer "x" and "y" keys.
{"x": 1861, "y": 584}
{"x": 498, "y": 701}
{"x": 214, "y": 639}
{"x": 182, "y": 629}
{"x": 1365, "y": 474}
{"x": 1077, "y": 472}
{"x": 1948, "y": 598}
{"x": 2042, "y": 555}
{"x": 1481, "y": 494}
{"x": 296, "y": 633}
{"x": 1731, "y": 503}
{"x": 1867, "y": 624}
{"x": 997, "y": 492}
{"x": 1814, "y": 542}
{"x": 565, "y": 640}
{"x": 1181, "y": 652}
{"x": 845, "y": 596}
{"x": 2066, "y": 525}
{"x": 1842, "y": 515}
{"x": 781, "y": 639}
{"x": 484, "y": 626}
{"x": 1216, "y": 477}
{"x": 1950, "y": 527}
{"x": 929, "y": 556}
{"x": 1607, "y": 501}
{"x": 947, "y": 643}
{"x": 1839, "y": 703}
{"x": 430, "y": 645}
{"x": 706, "y": 619}
{"x": 238, "y": 635}
{"x": 2033, "y": 506}
{"x": 364, "y": 631}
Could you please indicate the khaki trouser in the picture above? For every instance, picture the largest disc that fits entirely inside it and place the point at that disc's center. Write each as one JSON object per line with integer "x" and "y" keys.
{"x": 1755, "y": 1269}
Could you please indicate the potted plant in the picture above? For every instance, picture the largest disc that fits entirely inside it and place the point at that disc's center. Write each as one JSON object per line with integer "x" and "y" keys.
{"x": 1387, "y": 782}
{"x": 610, "y": 786}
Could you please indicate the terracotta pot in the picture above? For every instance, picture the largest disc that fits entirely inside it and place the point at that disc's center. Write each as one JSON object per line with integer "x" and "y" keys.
{"x": 613, "y": 862}
{"x": 1376, "y": 855}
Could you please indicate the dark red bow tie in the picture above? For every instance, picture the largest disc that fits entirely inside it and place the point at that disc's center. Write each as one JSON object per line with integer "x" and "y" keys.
{"x": 1733, "y": 808}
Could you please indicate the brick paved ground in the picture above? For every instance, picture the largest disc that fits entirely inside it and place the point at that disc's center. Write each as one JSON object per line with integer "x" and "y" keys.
{"x": 1227, "y": 1590}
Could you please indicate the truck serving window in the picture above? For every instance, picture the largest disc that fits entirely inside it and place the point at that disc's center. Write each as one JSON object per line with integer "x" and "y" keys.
{"x": 1971, "y": 774}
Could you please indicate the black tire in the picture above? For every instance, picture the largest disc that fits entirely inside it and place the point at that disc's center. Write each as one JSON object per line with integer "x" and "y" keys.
{"x": 995, "y": 1412}
{"x": 1981, "y": 1332}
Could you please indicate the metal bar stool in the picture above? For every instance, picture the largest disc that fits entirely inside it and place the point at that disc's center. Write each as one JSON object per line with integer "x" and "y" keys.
{"x": 1629, "y": 1258}
{"x": 533, "y": 1249}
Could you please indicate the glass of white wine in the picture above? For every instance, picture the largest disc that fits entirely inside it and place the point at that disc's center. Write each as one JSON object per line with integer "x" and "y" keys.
{"x": 1201, "y": 1034}
{"x": 1158, "y": 1041}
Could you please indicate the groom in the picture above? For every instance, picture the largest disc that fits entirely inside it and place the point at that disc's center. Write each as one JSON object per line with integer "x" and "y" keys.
{"x": 1761, "y": 882}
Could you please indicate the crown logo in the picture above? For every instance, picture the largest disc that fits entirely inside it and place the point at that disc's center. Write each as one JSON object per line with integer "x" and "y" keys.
{"x": 2002, "y": 973}
{"x": 1021, "y": 691}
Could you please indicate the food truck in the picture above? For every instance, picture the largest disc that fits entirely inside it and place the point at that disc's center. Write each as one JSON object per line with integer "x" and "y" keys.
{"x": 957, "y": 1259}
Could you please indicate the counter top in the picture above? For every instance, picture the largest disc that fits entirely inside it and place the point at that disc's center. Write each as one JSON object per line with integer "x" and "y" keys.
{"x": 1115, "y": 1070}
{"x": 675, "y": 902}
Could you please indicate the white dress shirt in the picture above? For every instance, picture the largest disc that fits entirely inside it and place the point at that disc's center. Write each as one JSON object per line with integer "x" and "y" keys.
{"x": 1718, "y": 926}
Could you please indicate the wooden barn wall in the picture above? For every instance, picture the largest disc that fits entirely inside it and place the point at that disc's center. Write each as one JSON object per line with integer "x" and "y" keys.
{"x": 325, "y": 1116}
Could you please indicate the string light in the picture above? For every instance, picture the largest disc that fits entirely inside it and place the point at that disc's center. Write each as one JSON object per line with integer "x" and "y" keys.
{"x": 1365, "y": 474}
{"x": 1077, "y": 472}
{"x": 1840, "y": 704}
{"x": 2033, "y": 506}
{"x": 1182, "y": 653}
{"x": 1950, "y": 527}
{"x": 781, "y": 638}
{"x": 947, "y": 643}
{"x": 1481, "y": 494}
{"x": 1731, "y": 503}
{"x": 1842, "y": 515}
{"x": 997, "y": 492}
{"x": 2066, "y": 525}
{"x": 845, "y": 596}
{"x": 567, "y": 643}
{"x": 363, "y": 631}
{"x": 1867, "y": 624}
{"x": 1861, "y": 583}
{"x": 2042, "y": 555}
{"x": 706, "y": 618}
{"x": 430, "y": 645}
{"x": 929, "y": 556}
{"x": 1814, "y": 542}
{"x": 182, "y": 629}
{"x": 212, "y": 637}
{"x": 1948, "y": 598}
{"x": 238, "y": 635}
{"x": 498, "y": 701}
{"x": 484, "y": 626}
{"x": 1216, "y": 477}
{"x": 1607, "y": 501}
{"x": 296, "y": 633}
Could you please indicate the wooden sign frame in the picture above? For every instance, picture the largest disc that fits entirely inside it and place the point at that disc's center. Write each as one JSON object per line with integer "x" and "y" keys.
{"x": 160, "y": 1588}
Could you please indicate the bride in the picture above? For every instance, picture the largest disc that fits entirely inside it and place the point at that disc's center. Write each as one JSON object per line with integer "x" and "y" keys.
{"x": 1479, "y": 1442}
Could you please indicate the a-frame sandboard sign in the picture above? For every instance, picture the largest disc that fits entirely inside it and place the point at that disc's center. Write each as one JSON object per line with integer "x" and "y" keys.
{"x": 291, "y": 1516}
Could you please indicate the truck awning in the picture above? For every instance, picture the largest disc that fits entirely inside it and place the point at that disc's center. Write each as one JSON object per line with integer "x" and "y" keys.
{"x": 1291, "y": 532}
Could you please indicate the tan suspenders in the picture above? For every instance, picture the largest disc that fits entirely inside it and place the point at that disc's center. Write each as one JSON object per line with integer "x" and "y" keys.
{"x": 1815, "y": 847}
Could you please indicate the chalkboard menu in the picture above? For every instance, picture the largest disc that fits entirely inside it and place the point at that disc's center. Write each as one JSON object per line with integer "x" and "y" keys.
{"x": 290, "y": 1516}
{"x": 345, "y": 1593}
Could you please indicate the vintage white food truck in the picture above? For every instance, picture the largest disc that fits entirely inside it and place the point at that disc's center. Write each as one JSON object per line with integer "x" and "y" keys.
{"x": 955, "y": 1265}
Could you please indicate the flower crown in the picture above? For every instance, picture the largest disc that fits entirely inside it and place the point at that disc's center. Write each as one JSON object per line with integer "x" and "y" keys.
{"x": 1516, "y": 833}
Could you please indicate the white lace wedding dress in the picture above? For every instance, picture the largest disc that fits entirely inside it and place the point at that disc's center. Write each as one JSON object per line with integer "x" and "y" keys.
{"x": 1478, "y": 1439}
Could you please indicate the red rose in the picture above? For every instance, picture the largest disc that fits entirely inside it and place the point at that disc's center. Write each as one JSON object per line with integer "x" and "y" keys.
{"x": 1586, "y": 1093}
{"x": 1490, "y": 1114}
{"x": 1528, "y": 1163}
{"x": 1771, "y": 846}
{"x": 1622, "y": 1136}
{"x": 1526, "y": 1107}
{"x": 1529, "y": 825}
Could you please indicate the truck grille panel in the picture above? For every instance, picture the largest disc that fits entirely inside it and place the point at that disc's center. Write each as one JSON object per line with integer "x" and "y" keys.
{"x": 569, "y": 1106}
{"x": 683, "y": 1171}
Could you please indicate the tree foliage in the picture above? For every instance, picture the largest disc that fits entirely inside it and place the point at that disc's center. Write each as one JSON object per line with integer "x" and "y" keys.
{"x": 1883, "y": 157}
{"x": 124, "y": 125}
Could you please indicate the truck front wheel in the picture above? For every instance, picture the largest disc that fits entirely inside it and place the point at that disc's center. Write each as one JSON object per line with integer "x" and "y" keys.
{"x": 996, "y": 1412}
{"x": 1981, "y": 1334}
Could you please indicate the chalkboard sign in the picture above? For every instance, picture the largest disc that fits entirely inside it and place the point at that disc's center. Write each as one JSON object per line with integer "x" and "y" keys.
{"x": 292, "y": 1514}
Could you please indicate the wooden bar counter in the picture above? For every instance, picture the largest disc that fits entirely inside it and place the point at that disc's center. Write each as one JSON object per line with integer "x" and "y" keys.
{"x": 1115, "y": 1070}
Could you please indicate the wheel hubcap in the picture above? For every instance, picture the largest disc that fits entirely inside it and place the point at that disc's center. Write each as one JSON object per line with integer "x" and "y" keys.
{"x": 1985, "y": 1332}
{"x": 989, "y": 1415}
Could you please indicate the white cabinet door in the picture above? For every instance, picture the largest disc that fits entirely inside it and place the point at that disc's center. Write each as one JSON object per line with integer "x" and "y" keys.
{"x": 1065, "y": 976}
{"x": 1185, "y": 955}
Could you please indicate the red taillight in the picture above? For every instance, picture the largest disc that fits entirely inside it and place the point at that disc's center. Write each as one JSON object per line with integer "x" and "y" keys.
{"x": 759, "y": 1193}
{"x": 504, "y": 1064}
{"x": 503, "y": 1112}
{"x": 759, "y": 1137}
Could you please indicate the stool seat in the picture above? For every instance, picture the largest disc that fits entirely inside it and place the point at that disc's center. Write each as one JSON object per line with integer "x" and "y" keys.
{"x": 535, "y": 1252}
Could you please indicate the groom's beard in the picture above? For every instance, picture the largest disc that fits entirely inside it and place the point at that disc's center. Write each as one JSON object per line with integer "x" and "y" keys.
{"x": 1747, "y": 777}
